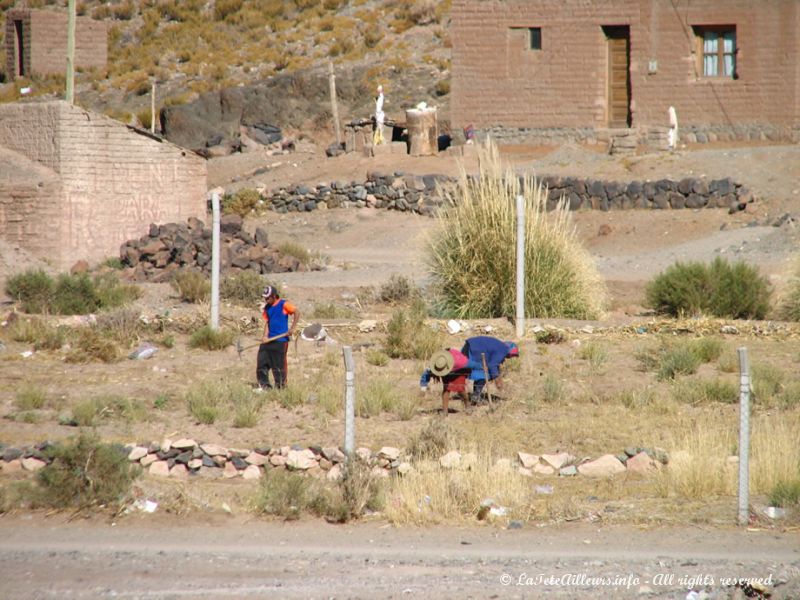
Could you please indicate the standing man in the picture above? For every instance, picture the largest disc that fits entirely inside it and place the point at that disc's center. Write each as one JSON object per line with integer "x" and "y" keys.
{"x": 489, "y": 353}
{"x": 275, "y": 341}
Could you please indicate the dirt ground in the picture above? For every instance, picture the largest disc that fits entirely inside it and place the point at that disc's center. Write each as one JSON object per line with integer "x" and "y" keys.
{"x": 163, "y": 556}
{"x": 234, "y": 558}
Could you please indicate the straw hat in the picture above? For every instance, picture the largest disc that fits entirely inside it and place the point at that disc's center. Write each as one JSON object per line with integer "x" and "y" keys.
{"x": 442, "y": 363}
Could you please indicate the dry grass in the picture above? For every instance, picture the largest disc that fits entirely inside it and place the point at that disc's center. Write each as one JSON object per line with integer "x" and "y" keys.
{"x": 472, "y": 253}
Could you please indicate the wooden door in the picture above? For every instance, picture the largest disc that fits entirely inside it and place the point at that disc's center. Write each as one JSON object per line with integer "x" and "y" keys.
{"x": 619, "y": 76}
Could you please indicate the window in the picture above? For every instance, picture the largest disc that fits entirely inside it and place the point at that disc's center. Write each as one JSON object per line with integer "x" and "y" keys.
{"x": 717, "y": 50}
{"x": 535, "y": 34}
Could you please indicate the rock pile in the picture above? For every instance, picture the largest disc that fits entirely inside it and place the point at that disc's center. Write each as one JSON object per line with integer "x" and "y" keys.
{"x": 166, "y": 248}
{"x": 186, "y": 457}
{"x": 422, "y": 194}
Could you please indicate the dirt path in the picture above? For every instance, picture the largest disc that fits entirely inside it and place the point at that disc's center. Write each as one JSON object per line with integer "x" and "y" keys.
{"x": 155, "y": 558}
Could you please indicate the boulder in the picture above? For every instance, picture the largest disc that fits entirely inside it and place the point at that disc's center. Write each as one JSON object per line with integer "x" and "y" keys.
{"x": 605, "y": 466}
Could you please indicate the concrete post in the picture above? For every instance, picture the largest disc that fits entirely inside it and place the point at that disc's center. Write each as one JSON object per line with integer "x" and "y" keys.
{"x": 349, "y": 401}
{"x": 214, "y": 261}
{"x": 744, "y": 438}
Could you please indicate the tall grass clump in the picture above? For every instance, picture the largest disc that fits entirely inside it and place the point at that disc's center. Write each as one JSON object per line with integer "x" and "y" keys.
{"x": 407, "y": 335}
{"x": 789, "y": 303}
{"x": 243, "y": 288}
{"x": 721, "y": 289}
{"x": 472, "y": 252}
{"x": 211, "y": 339}
{"x": 85, "y": 472}
{"x": 69, "y": 294}
{"x": 192, "y": 286}
{"x": 209, "y": 400}
{"x": 431, "y": 494}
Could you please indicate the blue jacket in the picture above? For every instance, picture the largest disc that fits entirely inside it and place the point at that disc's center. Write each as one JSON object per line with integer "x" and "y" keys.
{"x": 495, "y": 351}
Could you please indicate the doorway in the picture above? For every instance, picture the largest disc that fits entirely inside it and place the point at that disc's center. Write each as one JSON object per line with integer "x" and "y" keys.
{"x": 618, "y": 40}
{"x": 19, "y": 48}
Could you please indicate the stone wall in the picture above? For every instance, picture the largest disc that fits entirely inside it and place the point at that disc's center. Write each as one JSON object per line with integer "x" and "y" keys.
{"x": 421, "y": 194}
{"x": 44, "y": 37}
{"x": 115, "y": 181}
{"x": 186, "y": 457}
{"x": 497, "y": 81}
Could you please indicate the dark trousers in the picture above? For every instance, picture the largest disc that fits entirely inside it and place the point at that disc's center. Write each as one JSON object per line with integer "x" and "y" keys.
{"x": 272, "y": 357}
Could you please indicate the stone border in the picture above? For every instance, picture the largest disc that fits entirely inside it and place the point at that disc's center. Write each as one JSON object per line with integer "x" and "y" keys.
{"x": 185, "y": 458}
{"x": 422, "y": 194}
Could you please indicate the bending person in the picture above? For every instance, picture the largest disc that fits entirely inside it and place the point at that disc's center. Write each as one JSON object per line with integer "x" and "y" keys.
{"x": 488, "y": 353}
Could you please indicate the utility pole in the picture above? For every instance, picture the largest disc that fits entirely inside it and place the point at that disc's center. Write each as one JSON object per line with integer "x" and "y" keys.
{"x": 71, "y": 52}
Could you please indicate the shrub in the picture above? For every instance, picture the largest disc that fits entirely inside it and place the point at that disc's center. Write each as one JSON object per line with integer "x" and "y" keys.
{"x": 91, "y": 345}
{"x": 433, "y": 441}
{"x": 331, "y": 310}
{"x": 88, "y": 412}
{"x": 85, "y": 472}
{"x": 735, "y": 291}
{"x": 407, "y": 335}
{"x": 204, "y": 401}
{"x": 286, "y": 494}
{"x": 69, "y": 294}
{"x": 33, "y": 289}
{"x": 123, "y": 325}
{"x": 296, "y": 250}
{"x": 377, "y": 358}
{"x": 241, "y": 203}
{"x": 595, "y": 354}
{"x": 30, "y": 397}
{"x": 225, "y": 8}
{"x": 243, "y": 288}
{"x": 211, "y": 339}
{"x": 360, "y": 489}
{"x": 192, "y": 286}
{"x": 706, "y": 390}
{"x": 246, "y": 410}
{"x": 707, "y": 349}
{"x": 678, "y": 360}
{"x": 473, "y": 258}
{"x": 398, "y": 289}
{"x": 767, "y": 382}
{"x": 786, "y": 493}
{"x": 789, "y": 306}
{"x": 38, "y": 332}
{"x": 553, "y": 389}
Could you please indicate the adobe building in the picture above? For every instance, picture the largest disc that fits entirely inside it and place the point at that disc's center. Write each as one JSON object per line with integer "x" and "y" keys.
{"x": 36, "y": 43}
{"x": 540, "y": 70}
{"x": 76, "y": 185}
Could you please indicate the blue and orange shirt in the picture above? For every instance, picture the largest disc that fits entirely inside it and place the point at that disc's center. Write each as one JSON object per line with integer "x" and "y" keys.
{"x": 277, "y": 318}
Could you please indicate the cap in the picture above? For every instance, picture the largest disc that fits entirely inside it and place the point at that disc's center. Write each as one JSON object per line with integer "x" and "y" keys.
{"x": 269, "y": 291}
{"x": 442, "y": 363}
{"x": 513, "y": 349}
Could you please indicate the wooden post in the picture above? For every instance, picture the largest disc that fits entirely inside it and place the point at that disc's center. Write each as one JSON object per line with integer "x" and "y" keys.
{"x": 70, "y": 52}
{"x": 334, "y": 105}
{"x": 153, "y": 108}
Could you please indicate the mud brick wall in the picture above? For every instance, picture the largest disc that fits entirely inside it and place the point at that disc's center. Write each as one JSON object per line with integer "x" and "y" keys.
{"x": 28, "y": 216}
{"x": 44, "y": 35}
{"x": 498, "y": 82}
{"x": 114, "y": 181}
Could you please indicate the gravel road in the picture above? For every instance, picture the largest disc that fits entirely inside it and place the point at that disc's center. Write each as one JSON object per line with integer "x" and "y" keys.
{"x": 149, "y": 557}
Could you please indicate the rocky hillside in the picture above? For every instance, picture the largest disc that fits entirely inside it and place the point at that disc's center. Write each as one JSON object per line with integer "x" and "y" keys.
{"x": 278, "y": 50}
